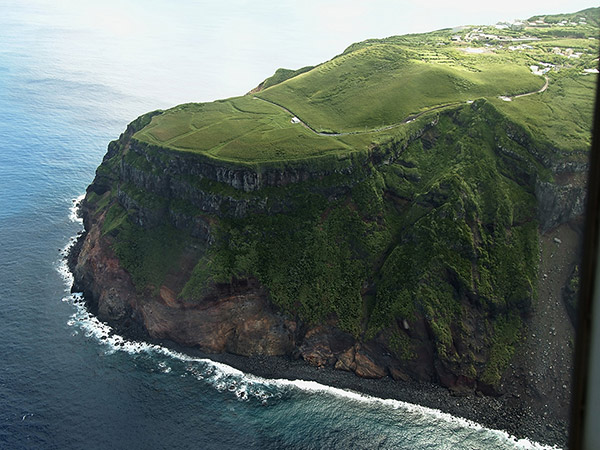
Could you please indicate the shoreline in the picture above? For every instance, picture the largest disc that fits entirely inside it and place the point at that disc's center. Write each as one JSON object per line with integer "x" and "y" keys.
{"x": 508, "y": 413}
{"x": 495, "y": 413}
{"x": 502, "y": 413}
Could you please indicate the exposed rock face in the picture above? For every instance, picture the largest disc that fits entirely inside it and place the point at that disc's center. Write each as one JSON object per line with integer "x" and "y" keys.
{"x": 243, "y": 323}
{"x": 559, "y": 203}
{"x": 99, "y": 275}
{"x": 170, "y": 163}
{"x": 236, "y": 318}
{"x": 160, "y": 176}
{"x": 360, "y": 362}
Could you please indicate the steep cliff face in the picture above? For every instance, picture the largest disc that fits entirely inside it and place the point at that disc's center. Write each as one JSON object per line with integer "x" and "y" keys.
{"x": 415, "y": 259}
{"x": 235, "y": 317}
{"x": 561, "y": 201}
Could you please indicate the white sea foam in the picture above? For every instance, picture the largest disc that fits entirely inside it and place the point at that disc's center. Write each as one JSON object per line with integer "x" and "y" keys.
{"x": 244, "y": 386}
{"x": 74, "y": 210}
{"x": 221, "y": 376}
{"x": 312, "y": 386}
{"x": 62, "y": 266}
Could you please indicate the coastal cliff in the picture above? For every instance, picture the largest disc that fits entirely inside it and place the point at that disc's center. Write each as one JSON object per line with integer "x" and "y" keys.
{"x": 192, "y": 209}
{"x": 408, "y": 210}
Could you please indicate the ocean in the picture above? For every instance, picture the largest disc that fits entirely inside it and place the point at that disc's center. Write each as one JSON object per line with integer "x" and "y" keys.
{"x": 71, "y": 78}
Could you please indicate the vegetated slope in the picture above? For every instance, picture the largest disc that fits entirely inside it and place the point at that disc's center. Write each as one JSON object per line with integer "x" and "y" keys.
{"x": 410, "y": 251}
{"x": 279, "y": 76}
{"x": 382, "y": 84}
{"x": 571, "y": 22}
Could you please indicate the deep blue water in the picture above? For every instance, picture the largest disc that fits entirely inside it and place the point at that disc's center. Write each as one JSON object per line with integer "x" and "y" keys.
{"x": 63, "y": 97}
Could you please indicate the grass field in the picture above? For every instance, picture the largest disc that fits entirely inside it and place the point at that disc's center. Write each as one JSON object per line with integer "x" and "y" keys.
{"x": 562, "y": 116}
{"x": 381, "y": 82}
{"x": 393, "y": 84}
{"x": 239, "y": 129}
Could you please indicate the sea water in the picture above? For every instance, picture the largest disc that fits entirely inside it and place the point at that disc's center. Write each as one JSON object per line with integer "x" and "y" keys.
{"x": 67, "y": 87}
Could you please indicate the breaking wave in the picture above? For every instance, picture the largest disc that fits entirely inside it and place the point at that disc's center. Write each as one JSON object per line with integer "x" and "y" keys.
{"x": 247, "y": 387}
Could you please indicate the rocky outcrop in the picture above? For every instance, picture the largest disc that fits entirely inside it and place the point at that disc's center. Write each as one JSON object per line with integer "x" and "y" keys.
{"x": 236, "y": 318}
{"x": 237, "y": 176}
{"x": 99, "y": 275}
{"x": 559, "y": 203}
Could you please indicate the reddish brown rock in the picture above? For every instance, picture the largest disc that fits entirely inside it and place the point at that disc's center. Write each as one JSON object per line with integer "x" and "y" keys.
{"x": 366, "y": 367}
{"x": 315, "y": 348}
{"x": 244, "y": 324}
{"x": 99, "y": 274}
{"x": 237, "y": 318}
{"x": 346, "y": 361}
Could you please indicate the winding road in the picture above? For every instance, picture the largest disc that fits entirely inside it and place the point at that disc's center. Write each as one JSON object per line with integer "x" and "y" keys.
{"x": 405, "y": 121}
{"x": 535, "y": 92}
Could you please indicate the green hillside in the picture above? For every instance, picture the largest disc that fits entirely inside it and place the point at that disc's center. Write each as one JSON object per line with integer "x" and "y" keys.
{"x": 369, "y": 92}
{"x": 238, "y": 129}
{"x": 382, "y": 84}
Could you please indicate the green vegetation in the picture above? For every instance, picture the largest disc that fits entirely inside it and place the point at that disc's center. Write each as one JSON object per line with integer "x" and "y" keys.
{"x": 457, "y": 227}
{"x": 313, "y": 260}
{"x": 239, "y": 129}
{"x": 148, "y": 254}
{"x": 504, "y": 338}
{"x": 430, "y": 220}
{"x": 280, "y": 76}
{"x": 559, "y": 117}
{"x": 591, "y": 16}
{"x": 383, "y": 82}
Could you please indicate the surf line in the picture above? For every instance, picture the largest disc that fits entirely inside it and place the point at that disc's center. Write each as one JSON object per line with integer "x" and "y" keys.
{"x": 224, "y": 377}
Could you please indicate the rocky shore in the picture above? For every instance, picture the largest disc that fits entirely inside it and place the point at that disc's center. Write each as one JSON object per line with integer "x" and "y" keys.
{"x": 505, "y": 413}
{"x": 501, "y": 413}
{"x": 525, "y": 407}
{"x": 510, "y": 412}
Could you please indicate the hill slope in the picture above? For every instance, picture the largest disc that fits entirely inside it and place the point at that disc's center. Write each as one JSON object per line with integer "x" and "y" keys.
{"x": 380, "y": 83}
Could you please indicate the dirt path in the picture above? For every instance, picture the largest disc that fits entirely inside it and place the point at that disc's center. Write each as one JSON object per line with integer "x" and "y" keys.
{"x": 348, "y": 133}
